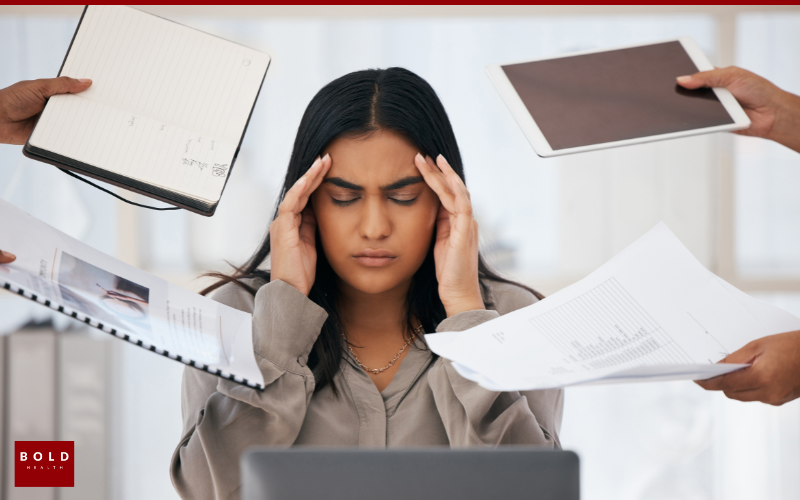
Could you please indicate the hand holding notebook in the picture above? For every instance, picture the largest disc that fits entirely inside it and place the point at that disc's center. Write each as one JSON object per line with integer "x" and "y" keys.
{"x": 21, "y": 104}
{"x": 165, "y": 115}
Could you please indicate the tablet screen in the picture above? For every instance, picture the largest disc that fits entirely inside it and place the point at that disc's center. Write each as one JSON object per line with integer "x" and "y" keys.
{"x": 614, "y": 95}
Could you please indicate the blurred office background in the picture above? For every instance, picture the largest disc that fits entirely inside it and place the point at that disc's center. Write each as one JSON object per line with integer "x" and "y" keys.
{"x": 548, "y": 222}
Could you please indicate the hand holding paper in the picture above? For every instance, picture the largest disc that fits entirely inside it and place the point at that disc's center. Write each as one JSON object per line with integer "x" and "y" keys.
{"x": 653, "y": 312}
{"x": 772, "y": 376}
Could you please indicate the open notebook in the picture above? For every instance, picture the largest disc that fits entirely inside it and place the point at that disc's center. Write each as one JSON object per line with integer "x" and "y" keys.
{"x": 166, "y": 112}
{"x": 70, "y": 277}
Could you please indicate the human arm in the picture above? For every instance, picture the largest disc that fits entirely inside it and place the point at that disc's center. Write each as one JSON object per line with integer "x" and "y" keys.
{"x": 455, "y": 249}
{"x": 474, "y": 416}
{"x": 774, "y": 113}
{"x": 471, "y": 414}
{"x": 223, "y": 418}
{"x": 21, "y": 104}
{"x": 772, "y": 378}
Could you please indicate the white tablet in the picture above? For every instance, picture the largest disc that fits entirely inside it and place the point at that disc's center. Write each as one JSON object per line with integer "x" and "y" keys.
{"x": 606, "y": 98}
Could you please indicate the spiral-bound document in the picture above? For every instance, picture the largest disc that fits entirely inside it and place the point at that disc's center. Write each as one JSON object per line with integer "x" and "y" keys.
{"x": 60, "y": 272}
{"x": 166, "y": 112}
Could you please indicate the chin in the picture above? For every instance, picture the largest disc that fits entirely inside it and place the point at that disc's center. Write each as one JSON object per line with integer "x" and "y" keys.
{"x": 374, "y": 281}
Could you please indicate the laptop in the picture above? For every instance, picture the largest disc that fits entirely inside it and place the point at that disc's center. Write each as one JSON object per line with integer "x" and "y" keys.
{"x": 420, "y": 474}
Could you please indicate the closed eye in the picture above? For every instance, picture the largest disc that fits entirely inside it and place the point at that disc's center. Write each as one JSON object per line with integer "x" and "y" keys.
{"x": 344, "y": 202}
{"x": 405, "y": 201}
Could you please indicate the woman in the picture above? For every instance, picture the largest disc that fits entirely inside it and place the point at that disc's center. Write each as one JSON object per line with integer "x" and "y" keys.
{"x": 373, "y": 245}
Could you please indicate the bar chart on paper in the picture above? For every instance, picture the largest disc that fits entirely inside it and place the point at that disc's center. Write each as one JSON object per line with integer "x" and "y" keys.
{"x": 651, "y": 313}
{"x": 606, "y": 328}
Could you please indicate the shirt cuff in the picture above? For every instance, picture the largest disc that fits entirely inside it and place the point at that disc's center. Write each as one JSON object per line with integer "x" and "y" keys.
{"x": 286, "y": 324}
{"x": 466, "y": 320}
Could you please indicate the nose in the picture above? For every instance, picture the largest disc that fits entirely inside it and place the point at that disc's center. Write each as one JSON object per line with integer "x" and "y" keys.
{"x": 375, "y": 222}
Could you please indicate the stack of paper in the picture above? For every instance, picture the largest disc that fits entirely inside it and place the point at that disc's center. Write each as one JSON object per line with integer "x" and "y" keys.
{"x": 653, "y": 312}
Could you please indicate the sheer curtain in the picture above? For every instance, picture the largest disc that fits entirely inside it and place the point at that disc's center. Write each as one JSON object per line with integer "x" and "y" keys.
{"x": 545, "y": 222}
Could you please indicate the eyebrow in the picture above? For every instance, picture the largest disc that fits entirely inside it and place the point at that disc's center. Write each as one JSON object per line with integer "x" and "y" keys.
{"x": 405, "y": 181}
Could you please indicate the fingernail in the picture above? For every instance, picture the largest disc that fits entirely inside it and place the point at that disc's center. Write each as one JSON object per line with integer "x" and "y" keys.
{"x": 685, "y": 79}
{"x": 442, "y": 157}
{"x": 326, "y": 157}
{"x": 419, "y": 158}
{"x": 84, "y": 80}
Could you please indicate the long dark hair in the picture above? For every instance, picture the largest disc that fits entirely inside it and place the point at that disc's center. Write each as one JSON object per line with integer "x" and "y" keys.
{"x": 356, "y": 104}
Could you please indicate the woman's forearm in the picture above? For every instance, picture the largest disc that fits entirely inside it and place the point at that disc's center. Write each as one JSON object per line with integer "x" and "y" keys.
{"x": 474, "y": 416}
{"x": 225, "y": 418}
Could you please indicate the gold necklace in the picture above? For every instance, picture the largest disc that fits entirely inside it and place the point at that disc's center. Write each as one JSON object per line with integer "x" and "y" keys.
{"x": 377, "y": 371}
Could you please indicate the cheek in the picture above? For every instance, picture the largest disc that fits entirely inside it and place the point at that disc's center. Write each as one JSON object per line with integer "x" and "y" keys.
{"x": 332, "y": 226}
{"x": 414, "y": 227}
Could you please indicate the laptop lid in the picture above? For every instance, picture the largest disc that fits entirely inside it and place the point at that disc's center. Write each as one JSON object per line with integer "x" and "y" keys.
{"x": 418, "y": 474}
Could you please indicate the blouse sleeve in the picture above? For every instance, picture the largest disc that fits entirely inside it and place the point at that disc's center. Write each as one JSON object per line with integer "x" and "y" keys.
{"x": 222, "y": 418}
{"x": 475, "y": 416}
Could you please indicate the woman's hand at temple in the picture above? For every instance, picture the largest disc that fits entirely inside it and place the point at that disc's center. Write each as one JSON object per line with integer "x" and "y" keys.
{"x": 456, "y": 246}
{"x": 293, "y": 254}
{"x": 21, "y": 103}
{"x": 774, "y": 113}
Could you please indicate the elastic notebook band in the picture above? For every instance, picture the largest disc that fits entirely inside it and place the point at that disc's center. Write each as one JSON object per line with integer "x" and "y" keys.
{"x": 114, "y": 194}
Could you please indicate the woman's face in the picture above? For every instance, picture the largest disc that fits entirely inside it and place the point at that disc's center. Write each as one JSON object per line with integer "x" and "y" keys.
{"x": 374, "y": 212}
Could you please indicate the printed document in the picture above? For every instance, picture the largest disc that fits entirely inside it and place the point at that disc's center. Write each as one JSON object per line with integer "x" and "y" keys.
{"x": 653, "y": 312}
{"x": 70, "y": 277}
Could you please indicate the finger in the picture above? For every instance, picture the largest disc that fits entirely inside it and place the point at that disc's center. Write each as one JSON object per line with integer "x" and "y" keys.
{"x": 7, "y": 257}
{"x": 741, "y": 380}
{"x": 747, "y": 396}
{"x": 746, "y": 355}
{"x": 62, "y": 85}
{"x": 308, "y": 225}
{"x": 442, "y": 223}
{"x": 295, "y": 199}
{"x": 432, "y": 164}
{"x": 462, "y": 198}
{"x": 439, "y": 174}
{"x": 317, "y": 177}
{"x": 719, "y": 77}
{"x": 437, "y": 182}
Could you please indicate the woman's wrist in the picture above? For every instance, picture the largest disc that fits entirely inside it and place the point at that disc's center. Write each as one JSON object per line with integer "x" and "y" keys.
{"x": 456, "y": 306}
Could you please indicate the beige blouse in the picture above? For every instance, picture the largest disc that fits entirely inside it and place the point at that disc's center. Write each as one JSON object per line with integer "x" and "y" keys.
{"x": 427, "y": 403}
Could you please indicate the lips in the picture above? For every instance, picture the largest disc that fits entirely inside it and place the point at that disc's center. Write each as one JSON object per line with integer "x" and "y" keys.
{"x": 374, "y": 258}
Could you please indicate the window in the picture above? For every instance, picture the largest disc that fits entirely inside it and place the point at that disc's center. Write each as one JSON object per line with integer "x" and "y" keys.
{"x": 545, "y": 222}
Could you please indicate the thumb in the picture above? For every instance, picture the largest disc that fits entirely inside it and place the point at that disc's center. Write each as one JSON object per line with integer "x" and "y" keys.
{"x": 62, "y": 85}
{"x": 745, "y": 355}
{"x": 7, "y": 257}
{"x": 719, "y": 77}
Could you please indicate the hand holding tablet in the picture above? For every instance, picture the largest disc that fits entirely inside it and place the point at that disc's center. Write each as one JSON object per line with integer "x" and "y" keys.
{"x": 607, "y": 98}
{"x": 774, "y": 113}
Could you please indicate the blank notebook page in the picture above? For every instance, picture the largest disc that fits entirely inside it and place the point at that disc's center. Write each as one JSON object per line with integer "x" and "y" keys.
{"x": 168, "y": 104}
